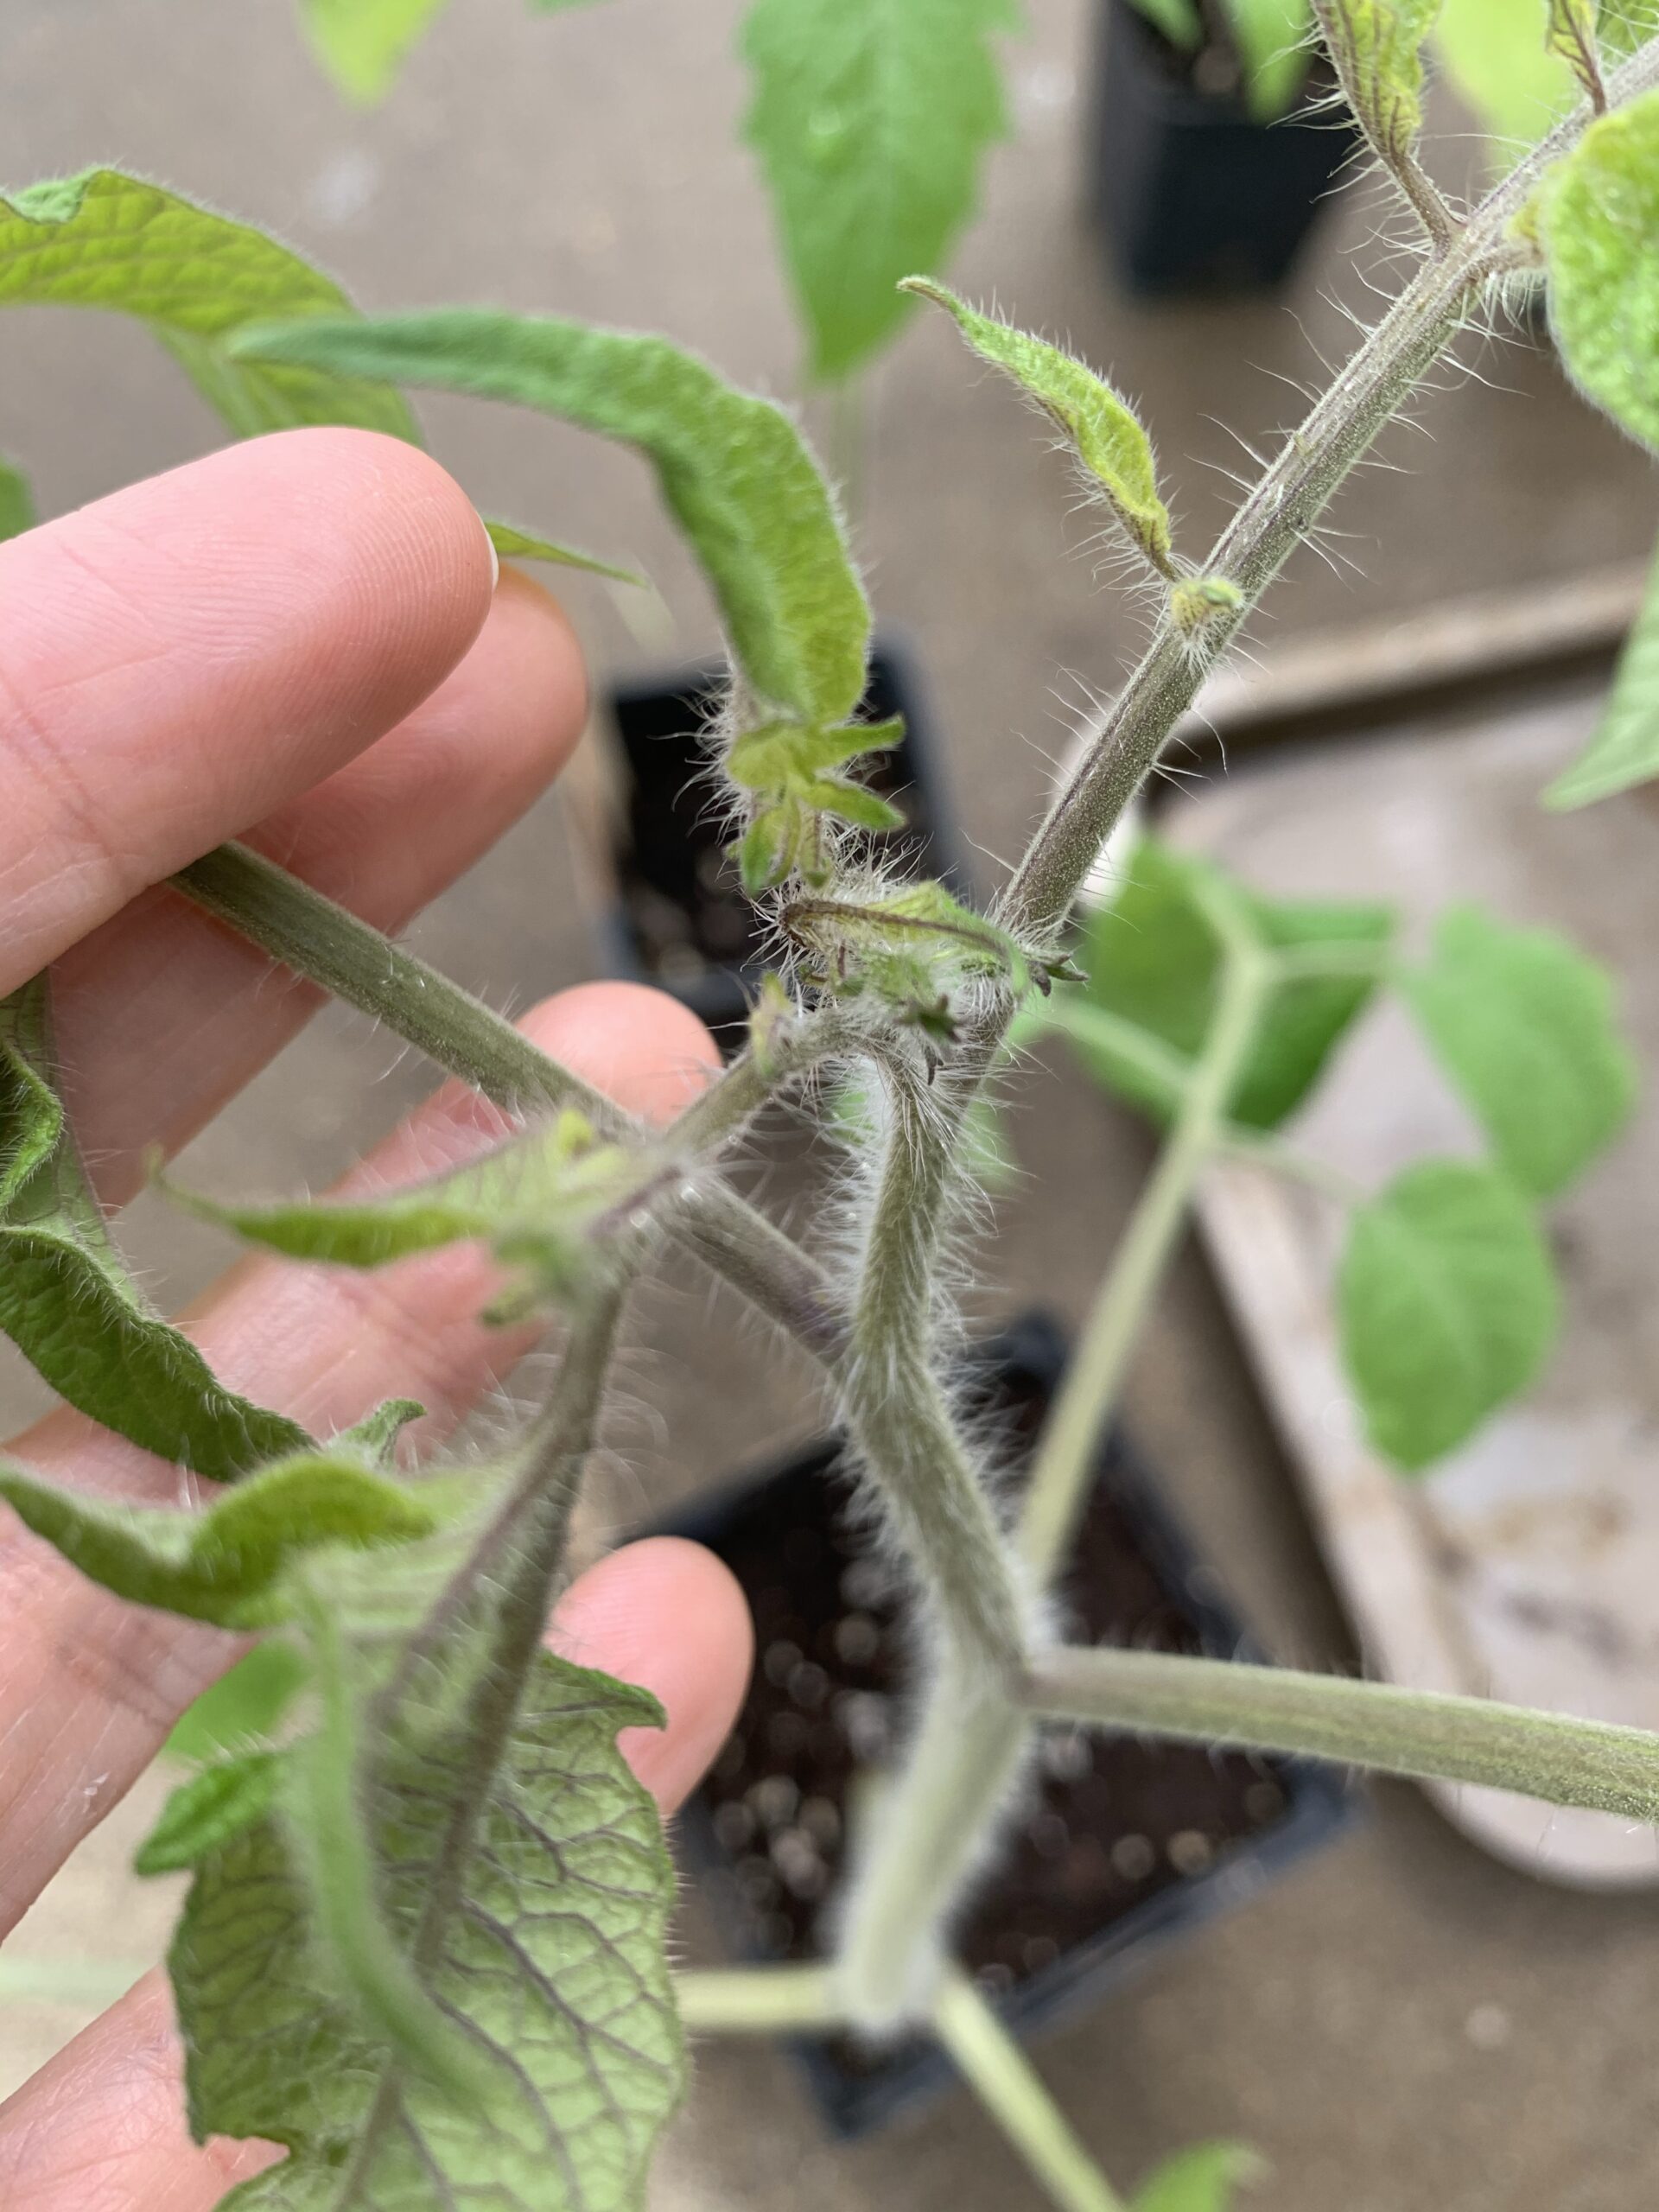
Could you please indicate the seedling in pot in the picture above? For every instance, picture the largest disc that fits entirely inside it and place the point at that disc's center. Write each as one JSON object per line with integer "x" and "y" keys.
{"x": 424, "y": 1948}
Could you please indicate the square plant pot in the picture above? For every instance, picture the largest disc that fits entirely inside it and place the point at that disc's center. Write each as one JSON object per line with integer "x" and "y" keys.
{"x": 670, "y": 909}
{"x": 1122, "y": 1845}
{"x": 1193, "y": 194}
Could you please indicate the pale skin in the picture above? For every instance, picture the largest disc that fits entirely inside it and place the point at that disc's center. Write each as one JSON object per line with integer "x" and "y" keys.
{"x": 301, "y": 641}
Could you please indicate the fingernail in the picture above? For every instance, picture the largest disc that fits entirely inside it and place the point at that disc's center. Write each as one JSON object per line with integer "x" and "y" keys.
{"x": 495, "y": 558}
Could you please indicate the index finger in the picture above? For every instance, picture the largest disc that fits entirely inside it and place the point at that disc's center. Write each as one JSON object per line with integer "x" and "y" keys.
{"x": 178, "y": 660}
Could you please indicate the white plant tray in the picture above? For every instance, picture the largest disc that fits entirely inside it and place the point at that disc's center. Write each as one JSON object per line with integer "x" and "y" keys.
{"x": 1527, "y": 1566}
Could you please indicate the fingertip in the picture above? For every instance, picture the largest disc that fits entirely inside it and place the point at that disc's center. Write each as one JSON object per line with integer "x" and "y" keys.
{"x": 669, "y": 1616}
{"x": 638, "y": 1045}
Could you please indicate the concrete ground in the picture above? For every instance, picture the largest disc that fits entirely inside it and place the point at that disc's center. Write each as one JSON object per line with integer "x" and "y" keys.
{"x": 1400, "y": 2026}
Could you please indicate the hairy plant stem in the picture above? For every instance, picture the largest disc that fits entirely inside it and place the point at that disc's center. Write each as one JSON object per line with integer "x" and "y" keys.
{"x": 1417, "y": 1733}
{"x": 516, "y": 1562}
{"x": 1009, "y": 2087}
{"x": 936, "y": 1827}
{"x": 1280, "y": 511}
{"x": 330, "y": 947}
{"x": 896, "y": 1408}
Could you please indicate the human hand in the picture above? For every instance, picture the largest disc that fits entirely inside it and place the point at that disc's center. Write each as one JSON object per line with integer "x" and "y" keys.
{"x": 296, "y": 641}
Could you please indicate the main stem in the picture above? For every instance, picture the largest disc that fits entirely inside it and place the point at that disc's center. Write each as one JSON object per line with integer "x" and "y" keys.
{"x": 931, "y": 1488}
{"x": 1280, "y": 511}
{"x": 937, "y": 1823}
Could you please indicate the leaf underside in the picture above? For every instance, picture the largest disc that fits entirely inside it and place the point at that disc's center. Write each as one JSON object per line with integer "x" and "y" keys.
{"x": 871, "y": 119}
{"x": 550, "y": 1965}
{"x": 733, "y": 470}
{"x": 1375, "y": 48}
{"x": 1448, "y": 1304}
{"x": 67, "y": 1301}
{"x": 102, "y": 239}
{"x": 1111, "y": 445}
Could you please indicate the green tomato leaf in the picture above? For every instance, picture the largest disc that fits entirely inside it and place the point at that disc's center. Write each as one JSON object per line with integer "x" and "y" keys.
{"x": 1624, "y": 750}
{"x": 1201, "y": 2179}
{"x": 1573, "y": 39}
{"x": 1112, "y": 447}
{"x": 540, "y": 1901}
{"x": 1448, "y": 1305}
{"x": 1151, "y": 962}
{"x": 533, "y": 1200}
{"x": 871, "y": 121}
{"x": 1597, "y": 222}
{"x": 1525, "y": 1027}
{"x": 1494, "y": 52}
{"x": 243, "y": 1707}
{"x": 1623, "y": 25}
{"x": 1375, "y": 46}
{"x": 1274, "y": 39}
{"x": 514, "y": 544}
{"x": 105, "y": 240}
{"x": 375, "y": 1437}
{"x": 68, "y": 1303}
{"x": 204, "y": 1814}
{"x": 227, "y": 1562}
{"x": 16, "y": 503}
{"x": 733, "y": 470}
{"x": 782, "y": 767}
{"x": 362, "y": 44}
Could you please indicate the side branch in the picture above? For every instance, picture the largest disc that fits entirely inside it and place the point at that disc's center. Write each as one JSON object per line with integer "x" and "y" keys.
{"x": 353, "y": 962}
{"x": 1280, "y": 511}
{"x": 1418, "y": 1733}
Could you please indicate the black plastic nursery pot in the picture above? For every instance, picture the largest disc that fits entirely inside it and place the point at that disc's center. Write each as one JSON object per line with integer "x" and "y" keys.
{"x": 1193, "y": 194}
{"x": 678, "y": 918}
{"x": 1123, "y": 1844}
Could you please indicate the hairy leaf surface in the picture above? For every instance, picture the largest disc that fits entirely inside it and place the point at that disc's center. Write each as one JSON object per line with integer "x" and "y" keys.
{"x": 226, "y": 1562}
{"x": 790, "y": 771}
{"x": 1525, "y": 1026}
{"x": 514, "y": 544}
{"x": 1448, "y": 1305}
{"x": 1377, "y": 49}
{"x": 871, "y": 118}
{"x": 733, "y": 470}
{"x": 363, "y": 43}
{"x": 1599, "y": 225}
{"x": 1204, "y": 2178}
{"x": 1573, "y": 39}
{"x": 1624, "y": 750}
{"x": 16, "y": 503}
{"x": 67, "y": 1301}
{"x": 1108, "y": 440}
{"x": 202, "y": 1814}
{"x": 102, "y": 239}
{"x": 544, "y": 1949}
{"x": 533, "y": 1200}
{"x": 1151, "y": 960}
